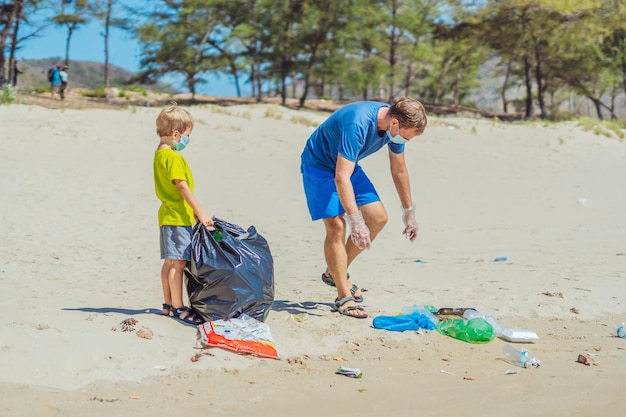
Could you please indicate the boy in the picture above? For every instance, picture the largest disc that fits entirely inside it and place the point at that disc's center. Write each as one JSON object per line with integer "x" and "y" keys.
{"x": 179, "y": 209}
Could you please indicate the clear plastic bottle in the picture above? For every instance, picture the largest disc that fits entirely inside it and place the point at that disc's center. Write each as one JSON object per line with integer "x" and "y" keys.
{"x": 621, "y": 330}
{"x": 421, "y": 310}
{"x": 472, "y": 314}
{"x": 520, "y": 358}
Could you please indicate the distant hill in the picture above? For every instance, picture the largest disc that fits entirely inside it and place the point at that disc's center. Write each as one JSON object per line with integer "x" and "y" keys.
{"x": 82, "y": 74}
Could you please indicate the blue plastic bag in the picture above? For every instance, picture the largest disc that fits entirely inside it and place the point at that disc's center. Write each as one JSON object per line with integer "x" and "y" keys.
{"x": 402, "y": 322}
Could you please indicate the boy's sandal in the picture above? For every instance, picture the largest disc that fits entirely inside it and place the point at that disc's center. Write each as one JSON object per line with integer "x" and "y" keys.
{"x": 346, "y": 310}
{"x": 169, "y": 309}
{"x": 328, "y": 280}
{"x": 191, "y": 318}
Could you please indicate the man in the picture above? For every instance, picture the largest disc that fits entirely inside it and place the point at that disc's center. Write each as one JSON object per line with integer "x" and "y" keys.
{"x": 63, "y": 78}
{"x": 335, "y": 184}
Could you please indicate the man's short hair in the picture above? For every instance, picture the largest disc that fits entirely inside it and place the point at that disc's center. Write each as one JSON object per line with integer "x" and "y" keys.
{"x": 410, "y": 114}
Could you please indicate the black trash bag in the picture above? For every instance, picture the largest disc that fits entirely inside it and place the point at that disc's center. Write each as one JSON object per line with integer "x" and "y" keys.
{"x": 230, "y": 274}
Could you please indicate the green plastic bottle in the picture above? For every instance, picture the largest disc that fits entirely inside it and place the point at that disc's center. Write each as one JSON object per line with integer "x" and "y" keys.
{"x": 476, "y": 330}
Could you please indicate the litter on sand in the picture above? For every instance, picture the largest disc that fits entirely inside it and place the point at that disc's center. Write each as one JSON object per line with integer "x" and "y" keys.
{"x": 243, "y": 334}
{"x": 350, "y": 372}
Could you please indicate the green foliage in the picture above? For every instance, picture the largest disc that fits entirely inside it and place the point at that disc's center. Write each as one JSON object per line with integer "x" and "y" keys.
{"x": 137, "y": 89}
{"x": 304, "y": 121}
{"x": 7, "y": 95}
{"x": 547, "y": 51}
{"x": 609, "y": 129}
{"x": 97, "y": 93}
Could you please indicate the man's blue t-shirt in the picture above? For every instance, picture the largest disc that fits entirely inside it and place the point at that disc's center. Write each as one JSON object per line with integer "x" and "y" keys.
{"x": 350, "y": 131}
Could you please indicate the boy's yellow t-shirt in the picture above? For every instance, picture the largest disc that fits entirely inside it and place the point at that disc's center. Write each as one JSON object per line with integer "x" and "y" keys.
{"x": 168, "y": 166}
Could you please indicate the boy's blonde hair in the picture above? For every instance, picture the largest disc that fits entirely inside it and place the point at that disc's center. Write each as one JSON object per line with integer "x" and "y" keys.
{"x": 173, "y": 118}
{"x": 410, "y": 114}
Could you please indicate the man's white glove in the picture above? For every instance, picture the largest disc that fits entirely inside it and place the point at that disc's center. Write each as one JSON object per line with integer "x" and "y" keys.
{"x": 410, "y": 224}
{"x": 359, "y": 232}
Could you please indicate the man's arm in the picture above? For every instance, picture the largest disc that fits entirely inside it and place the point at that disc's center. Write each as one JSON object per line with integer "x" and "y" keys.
{"x": 343, "y": 172}
{"x": 400, "y": 176}
{"x": 359, "y": 232}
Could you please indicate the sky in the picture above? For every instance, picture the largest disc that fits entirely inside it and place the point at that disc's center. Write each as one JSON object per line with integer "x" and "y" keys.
{"x": 87, "y": 44}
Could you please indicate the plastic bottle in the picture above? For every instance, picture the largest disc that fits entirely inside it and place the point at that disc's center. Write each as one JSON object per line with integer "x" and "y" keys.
{"x": 621, "y": 330}
{"x": 453, "y": 311}
{"x": 476, "y": 330}
{"x": 472, "y": 314}
{"x": 421, "y": 310}
{"x": 520, "y": 358}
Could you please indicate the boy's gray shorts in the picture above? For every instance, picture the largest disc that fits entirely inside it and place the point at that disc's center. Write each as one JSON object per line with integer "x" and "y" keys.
{"x": 176, "y": 242}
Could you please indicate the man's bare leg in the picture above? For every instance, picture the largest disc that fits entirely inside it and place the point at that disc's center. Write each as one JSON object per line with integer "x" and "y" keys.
{"x": 337, "y": 260}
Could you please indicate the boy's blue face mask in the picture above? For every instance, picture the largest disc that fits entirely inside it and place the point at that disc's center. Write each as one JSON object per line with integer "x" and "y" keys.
{"x": 184, "y": 141}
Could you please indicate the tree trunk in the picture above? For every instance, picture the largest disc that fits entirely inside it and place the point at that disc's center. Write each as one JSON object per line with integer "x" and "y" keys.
{"x": 598, "y": 107}
{"x": 393, "y": 44}
{"x": 191, "y": 84}
{"x": 456, "y": 99}
{"x": 70, "y": 31}
{"x": 505, "y": 86}
{"x": 540, "y": 90}
{"x": 107, "y": 25}
{"x": 10, "y": 11}
{"x": 252, "y": 80}
{"x": 259, "y": 85}
{"x": 529, "y": 88}
{"x": 409, "y": 76}
{"x": 235, "y": 74}
{"x": 283, "y": 81}
{"x": 307, "y": 75}
{"x": 13, "y": 70}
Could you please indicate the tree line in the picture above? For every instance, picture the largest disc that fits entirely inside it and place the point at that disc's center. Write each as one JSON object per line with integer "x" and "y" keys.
{"x": 545, "y": 51}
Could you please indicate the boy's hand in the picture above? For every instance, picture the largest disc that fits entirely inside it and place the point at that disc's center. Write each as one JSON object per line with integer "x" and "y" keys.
{"x": 204, "y": 218}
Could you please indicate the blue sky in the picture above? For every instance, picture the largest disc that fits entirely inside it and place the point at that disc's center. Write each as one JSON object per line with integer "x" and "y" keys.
{"x": 87, "y": 44}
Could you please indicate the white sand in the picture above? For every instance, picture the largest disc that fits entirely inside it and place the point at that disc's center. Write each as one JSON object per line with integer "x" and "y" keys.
{"x": 79, "y": 244}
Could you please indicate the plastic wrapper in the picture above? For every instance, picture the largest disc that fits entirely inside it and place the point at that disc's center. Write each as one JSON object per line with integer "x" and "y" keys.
{"x": 231, "y": 272}
{"x": 243, "y": 335}
{"x": 476, "y": 330}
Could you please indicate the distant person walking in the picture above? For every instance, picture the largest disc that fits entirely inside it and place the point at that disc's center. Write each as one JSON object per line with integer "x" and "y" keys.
{"x": 63, "y": 77}
{"x": 54, "y": 77}
{"x": 15, "y": 70}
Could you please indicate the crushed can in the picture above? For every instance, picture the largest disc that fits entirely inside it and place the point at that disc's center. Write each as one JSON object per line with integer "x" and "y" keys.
{"x": 586, "y": 360}
{"x": 350, "y": 372}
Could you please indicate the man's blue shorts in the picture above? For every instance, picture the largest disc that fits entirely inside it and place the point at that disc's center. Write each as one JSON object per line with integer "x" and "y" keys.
{"x": 321, "y": 193}
{"x": 176, "y": 242}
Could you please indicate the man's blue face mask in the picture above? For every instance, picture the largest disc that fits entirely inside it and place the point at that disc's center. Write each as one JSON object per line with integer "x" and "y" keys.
{"x": 397, "y": 138}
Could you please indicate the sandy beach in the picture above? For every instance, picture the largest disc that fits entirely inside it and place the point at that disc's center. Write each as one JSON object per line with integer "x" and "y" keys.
{"x": 80, "y": 254}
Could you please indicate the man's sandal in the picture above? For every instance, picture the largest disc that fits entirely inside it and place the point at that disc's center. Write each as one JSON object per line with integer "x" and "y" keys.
{"x": 346, "y": 310}
{"x": 328, "y": 280}
{"x": 191, "y": 318}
